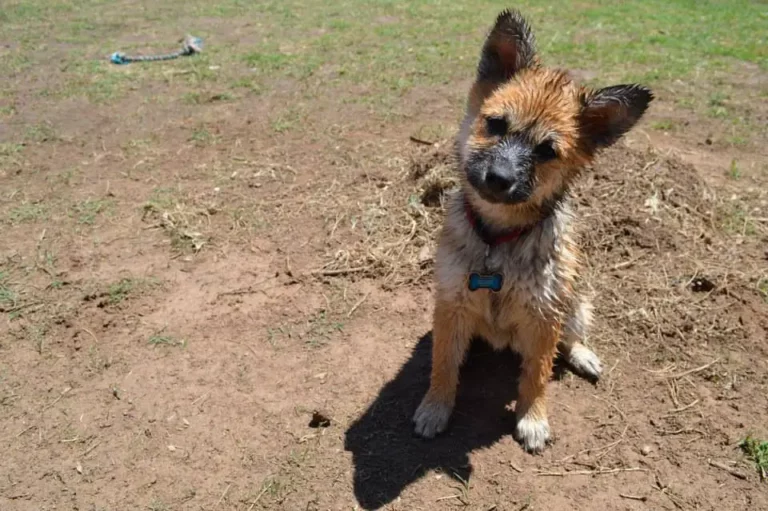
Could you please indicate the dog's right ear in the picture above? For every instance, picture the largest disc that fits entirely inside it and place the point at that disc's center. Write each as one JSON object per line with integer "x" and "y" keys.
{"x": 510, "y": 47}
{"x": 607, "y": 114}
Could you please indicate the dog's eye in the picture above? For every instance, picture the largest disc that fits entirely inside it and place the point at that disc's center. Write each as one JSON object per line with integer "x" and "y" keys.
{"x": 496, "y": 126}
{"x": 545, "y": 151}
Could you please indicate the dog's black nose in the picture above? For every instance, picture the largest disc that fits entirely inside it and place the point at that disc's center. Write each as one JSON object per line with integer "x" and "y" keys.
{"x": 499, "y": 181}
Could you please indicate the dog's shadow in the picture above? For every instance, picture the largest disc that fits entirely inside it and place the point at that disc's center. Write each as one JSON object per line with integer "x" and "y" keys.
{"x": 386, "y": 454}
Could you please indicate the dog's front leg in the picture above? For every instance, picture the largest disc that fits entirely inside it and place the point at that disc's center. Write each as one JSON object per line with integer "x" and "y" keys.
{"x": 539, "y": 342}
{"x": 451, "y": 333}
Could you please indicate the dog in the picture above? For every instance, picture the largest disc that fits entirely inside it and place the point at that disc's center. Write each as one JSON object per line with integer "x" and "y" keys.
{"x": 506, "y": 266}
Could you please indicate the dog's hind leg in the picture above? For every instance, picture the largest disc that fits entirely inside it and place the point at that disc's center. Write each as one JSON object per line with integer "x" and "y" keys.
{"x": 581, "y": 359}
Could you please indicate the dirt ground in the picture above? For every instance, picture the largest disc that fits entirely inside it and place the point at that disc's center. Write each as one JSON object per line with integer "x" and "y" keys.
{"x": 184, "y": 284}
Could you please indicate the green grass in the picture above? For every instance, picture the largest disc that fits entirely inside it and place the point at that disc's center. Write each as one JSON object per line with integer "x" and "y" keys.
{"x": 388, "y": 47}
{"x": 315, "y": 331}
{"x": 762, "y": 287}
{"x": 8, "y": 297}
{"x": 733, "y": 171}
{"x": 26, "y": 212}
{"x": 165, "y": 340}
{"x": 10, "y": 155}
{"x": 202, "y": 136}
{"x": 41, "y": 133}
{"x": 161, "y": 199}
{"x": 734, "y": 219}
{"x": 86, "y": 211}
{"x": 320, "y": 329}
{"x": 200, "y": 98}
{"x": 757, "y": 451}
{"x": 663, "y": 125}
{"x": 120, "y": 290}
{"x": 8, "y": 150}
{"x": 123, "y": 288}
{"x": 373, "y": 53}
{"x": 287, "y": 120}
{"x": 267, "y": 61}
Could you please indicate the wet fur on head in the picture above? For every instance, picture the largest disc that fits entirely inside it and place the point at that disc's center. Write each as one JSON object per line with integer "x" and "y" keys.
{"x": 529, "y": 129}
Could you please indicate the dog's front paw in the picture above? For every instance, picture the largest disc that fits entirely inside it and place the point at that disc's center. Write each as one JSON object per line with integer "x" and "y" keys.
{"x": 533, "y": 433}
{"x": 431, "y": 417}
{"x": 585, "y": 362}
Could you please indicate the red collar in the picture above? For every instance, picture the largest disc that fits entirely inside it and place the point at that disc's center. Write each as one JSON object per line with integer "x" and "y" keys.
{"x": 483, "y": 232}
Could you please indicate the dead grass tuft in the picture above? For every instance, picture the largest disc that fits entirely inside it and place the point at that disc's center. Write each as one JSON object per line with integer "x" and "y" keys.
{"x": 650, "y": 229}
{"x": 183, "y": 222}
{"x": 396, "y": 229}
{"x": 435, "y": 174}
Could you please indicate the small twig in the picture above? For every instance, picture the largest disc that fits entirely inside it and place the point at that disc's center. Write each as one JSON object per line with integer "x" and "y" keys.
{"x": 681, "y": 409}
{"x": 87, "y": 451}
{"x": 358, "y": 304}
{"x": 595, "y": 472}
{"x": 340, "y": 271}
{"x": 261, "y": 494}
{"x": 420, "y": 140}
{"x": 625, "y": 264}
{"x": 605, "y": 449}
{"x": 201, "y": 398}
{"x": 246, "y": 291}
{"x": 89, "y": 333}
{"x": 516, "y": 468}
{"x": 672, "y": 386}
{"x": 25, "y": 430}
{"x": 222, "y": 496}
{"x": 457, "y": 496}
{"x": 610, "y": 371}
{"x": 681, "y": 431}
{"x": 672, "y": 497}
{"x": 695, "y": 369}
{"x": 20, "y": 307}
{"x": 64, "y": 393}
{"x": 723, "y": 466}
{"x": 633, "y": 497}
{"x": 660, "y": 371}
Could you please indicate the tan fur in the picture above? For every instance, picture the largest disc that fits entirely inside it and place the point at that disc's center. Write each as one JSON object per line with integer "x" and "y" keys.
{"x": 539, "y": 309}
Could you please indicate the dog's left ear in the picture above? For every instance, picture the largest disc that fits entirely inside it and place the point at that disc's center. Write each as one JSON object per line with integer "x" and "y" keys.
{"x": 609, "y": 113}
{"x": 510, "y": 47}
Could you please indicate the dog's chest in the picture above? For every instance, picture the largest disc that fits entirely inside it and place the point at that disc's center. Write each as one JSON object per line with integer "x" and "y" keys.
{"x": 529, "y": 281}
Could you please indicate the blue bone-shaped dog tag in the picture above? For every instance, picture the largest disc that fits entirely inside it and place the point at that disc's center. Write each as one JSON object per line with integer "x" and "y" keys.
{"x": 492, "y": 282}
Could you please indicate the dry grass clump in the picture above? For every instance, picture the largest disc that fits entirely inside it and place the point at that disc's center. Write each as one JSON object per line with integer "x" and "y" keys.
{"x": 658, "y": 253}
{"x": 182, "y": 219}
{"x": 395, "y": 230}
{"x": 657, "y": 248}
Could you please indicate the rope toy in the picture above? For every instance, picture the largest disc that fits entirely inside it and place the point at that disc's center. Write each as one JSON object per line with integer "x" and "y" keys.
{"x": 190, "y": 46}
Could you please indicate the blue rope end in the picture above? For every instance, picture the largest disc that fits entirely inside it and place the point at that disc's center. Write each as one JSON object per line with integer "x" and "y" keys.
{"x": 118, "y": 58}
{"x": 192, "y": 45}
